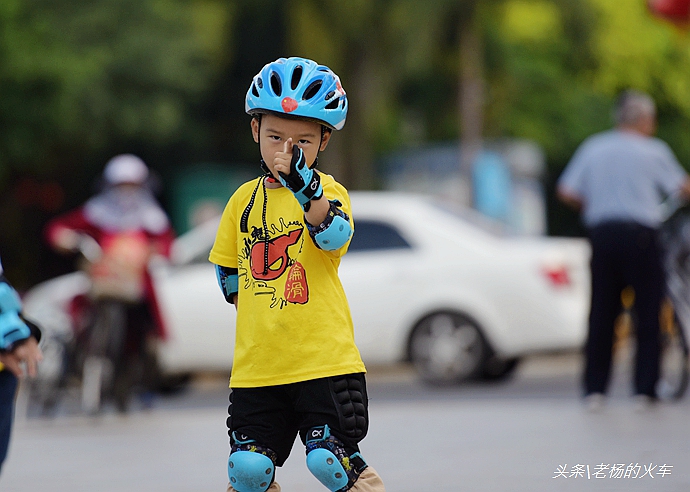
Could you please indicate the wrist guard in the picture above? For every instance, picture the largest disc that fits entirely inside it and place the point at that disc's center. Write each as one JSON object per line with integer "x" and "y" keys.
{"x": 12, "y": 328}
{"x": 302, "y": 181}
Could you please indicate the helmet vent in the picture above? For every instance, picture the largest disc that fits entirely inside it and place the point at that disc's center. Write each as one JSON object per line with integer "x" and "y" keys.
{"x": 312, "y": 90}
{"x": 333, "y": 104}
{"x": 296, "y": 77}
{"x": 275, "y": 84}
{"x": 259, "y": 82}
{"x": 255, "y": 91}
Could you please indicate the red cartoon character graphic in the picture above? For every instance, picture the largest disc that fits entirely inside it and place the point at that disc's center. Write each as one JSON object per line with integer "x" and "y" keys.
{"x": 269, "y": 259}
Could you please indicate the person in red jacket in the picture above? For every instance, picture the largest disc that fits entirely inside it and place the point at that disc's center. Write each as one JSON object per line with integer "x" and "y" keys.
{"x": 129, "y": 228}
{"x": 126, "y": 204}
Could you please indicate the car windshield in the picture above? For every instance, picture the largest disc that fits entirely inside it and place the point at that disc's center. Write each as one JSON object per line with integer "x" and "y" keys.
{"x": 195, "y": 245}
{"x": 377, "y": 235}
{"x": 471, "y": 216}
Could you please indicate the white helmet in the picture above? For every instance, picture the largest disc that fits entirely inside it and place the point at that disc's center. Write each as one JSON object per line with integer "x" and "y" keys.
{"x": 125, "y": 168}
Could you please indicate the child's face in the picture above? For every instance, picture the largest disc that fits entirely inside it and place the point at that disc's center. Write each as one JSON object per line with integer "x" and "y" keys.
{"x": 274, "y": 131}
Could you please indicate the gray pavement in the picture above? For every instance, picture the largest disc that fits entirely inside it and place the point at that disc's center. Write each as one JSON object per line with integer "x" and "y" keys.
{"x": 512, "y": 436}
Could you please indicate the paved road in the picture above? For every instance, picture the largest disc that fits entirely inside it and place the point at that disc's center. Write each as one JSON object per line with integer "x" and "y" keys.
{"x": 513, "y": 436}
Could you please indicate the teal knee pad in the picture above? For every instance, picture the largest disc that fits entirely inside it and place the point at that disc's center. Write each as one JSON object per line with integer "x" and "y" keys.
{"x": 328, "y": 461}
{"x": 325, "y": 466}
{"x": 250, "y": 472}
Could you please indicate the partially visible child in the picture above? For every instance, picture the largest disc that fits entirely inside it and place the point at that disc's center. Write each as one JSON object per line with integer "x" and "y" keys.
{"x": 296, "y": 369}
{"x": 19, "y": 354}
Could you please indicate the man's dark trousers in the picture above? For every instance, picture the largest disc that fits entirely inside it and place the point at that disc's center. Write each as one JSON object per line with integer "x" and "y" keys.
{"x": 624, "y": 253}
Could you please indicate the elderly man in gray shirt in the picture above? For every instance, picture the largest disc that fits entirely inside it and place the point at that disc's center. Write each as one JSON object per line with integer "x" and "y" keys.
{"x": 618, "y": 180}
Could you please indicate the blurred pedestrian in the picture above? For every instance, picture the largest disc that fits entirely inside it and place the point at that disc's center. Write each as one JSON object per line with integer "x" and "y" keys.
{"x": 296, "y": 369}
{"x": 618, "y": 180}
{"x": 19, "y": 354}
{"x": 129, "y": 228}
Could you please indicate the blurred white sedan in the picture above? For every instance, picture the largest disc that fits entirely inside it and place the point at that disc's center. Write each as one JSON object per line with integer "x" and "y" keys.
{"x": 425, "y": 284}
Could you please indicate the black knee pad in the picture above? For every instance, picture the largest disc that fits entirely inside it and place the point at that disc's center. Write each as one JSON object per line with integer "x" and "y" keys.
{"x": 350, "y": 396}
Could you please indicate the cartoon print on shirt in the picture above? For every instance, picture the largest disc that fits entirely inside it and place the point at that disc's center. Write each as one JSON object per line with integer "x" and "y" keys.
{"x": 265, "y": 259}
{"x": 269, "y": 258}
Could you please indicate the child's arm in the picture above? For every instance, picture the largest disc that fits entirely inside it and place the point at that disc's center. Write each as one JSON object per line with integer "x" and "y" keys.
{"x": 13, "y": 329}
{"x": 228, "y": 283}
{"x": 64, "y": 232}
{"x": 18, "y": 337}
{"x": 318, "y": 211}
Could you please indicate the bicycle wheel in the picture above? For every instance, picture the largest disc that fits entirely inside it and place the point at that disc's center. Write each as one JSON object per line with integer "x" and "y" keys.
{"x": 46, "y": 390}
{"x": 673, "y": 376}
{"x": 104, "y": 347}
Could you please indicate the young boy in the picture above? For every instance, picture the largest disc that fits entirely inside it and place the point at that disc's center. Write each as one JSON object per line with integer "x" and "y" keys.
{"x": 296, "y": 368}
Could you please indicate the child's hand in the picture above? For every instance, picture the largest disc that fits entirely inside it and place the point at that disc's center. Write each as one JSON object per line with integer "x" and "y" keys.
{"x": 282, "y": 160}
{"x": 295, "y": 174}
{"x": 292, "y": 168}
{"x": 28, "y": 353}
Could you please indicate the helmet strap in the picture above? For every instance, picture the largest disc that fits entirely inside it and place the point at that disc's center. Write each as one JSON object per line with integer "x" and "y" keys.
{"x": 262, "y": 163}
{"x": 264, "y": 168}
{"x": 316, "y": 160}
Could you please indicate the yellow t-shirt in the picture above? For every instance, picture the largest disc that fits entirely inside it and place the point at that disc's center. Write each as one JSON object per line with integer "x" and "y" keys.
{"x": 293, "y": 319}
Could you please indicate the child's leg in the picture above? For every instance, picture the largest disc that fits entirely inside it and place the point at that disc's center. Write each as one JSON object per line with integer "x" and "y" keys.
{"x": 336, "y": 419}
{"x": 261, "y": 437}
{"x": 368, "y": 481}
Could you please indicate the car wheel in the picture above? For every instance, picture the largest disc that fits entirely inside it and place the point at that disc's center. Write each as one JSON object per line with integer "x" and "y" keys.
{"x": 447, "y": 347}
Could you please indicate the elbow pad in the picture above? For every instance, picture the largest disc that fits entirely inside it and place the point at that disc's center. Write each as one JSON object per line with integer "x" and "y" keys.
{"x": 12, "y": 328}
{"x": 227, "y": 281}
{"x": 334, "y": 231}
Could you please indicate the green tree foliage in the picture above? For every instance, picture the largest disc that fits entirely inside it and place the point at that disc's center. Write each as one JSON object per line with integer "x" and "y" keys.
{"x": 354, "y": 39}
{"x": 637, "y": 50}
{"x": 77, "y": 75}
{"x": 552, "y": 70}
{"x": 539, "y": 57}
{"x": 82, "y": 79}
{"x": 399, "y": 63}
{"x": 256, "y": 37}
{"x": 558, "y": 65}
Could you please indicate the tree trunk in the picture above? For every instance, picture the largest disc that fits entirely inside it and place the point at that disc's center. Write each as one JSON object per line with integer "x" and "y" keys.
{"x": 360, "y": 148}
{"x": 471, "y": 98}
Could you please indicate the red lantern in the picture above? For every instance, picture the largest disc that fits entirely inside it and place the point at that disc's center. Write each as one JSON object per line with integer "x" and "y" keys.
{"x": 676, "y": 11}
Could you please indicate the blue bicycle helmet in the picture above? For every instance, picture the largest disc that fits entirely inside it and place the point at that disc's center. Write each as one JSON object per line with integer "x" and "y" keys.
{"x": 298, "y": 87}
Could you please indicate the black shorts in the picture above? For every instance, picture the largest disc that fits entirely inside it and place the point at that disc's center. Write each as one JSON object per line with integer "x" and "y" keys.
{"x": 274, "y": 415}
